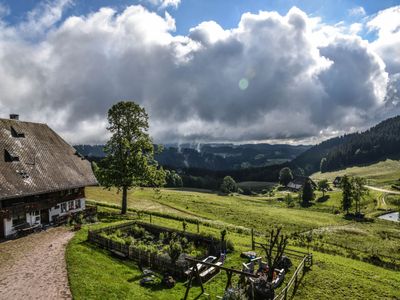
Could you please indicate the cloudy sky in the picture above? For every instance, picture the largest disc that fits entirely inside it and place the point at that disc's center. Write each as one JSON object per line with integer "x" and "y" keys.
{"x": 205, "y": 70}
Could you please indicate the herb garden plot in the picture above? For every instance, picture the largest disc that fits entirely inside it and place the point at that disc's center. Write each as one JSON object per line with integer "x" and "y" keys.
{"x": 159, "y": 248}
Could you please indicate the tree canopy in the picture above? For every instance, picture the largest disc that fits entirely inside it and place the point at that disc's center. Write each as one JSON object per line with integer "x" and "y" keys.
{"x": 228, "y": 185}
{"x": 308, "y": 192}
{"x": 285, "y": 176}
{"x": 129, "y": 160}
{"x": 347, "y": 199}
{"x": 323, "y": 186}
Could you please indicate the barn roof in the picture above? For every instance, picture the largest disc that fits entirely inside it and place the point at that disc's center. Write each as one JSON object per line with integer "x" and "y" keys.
{"x": 34, "y": 159}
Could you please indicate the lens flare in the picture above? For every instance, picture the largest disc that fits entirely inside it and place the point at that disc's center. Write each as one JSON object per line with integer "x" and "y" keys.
{"x": 243, "y": 84}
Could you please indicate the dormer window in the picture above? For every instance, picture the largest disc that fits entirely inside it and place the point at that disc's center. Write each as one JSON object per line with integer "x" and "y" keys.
{"x": 10, "y": 157}
{"x": 23, "y": 174}
{"x": 16, "y": 134}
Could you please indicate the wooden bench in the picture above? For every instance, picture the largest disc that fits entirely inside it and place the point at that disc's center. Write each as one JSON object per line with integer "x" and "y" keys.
{"x": 118, "y": 253}
{"x": 210, "y": 272}
{"x": 208, "y": 259}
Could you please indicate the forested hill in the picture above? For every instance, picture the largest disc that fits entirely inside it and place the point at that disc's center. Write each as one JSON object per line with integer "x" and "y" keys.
{"x": 214, "y": 156}
{"x": 379, "y": 142}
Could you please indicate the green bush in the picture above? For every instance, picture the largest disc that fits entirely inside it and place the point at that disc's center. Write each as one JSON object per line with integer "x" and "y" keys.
{"x": 230, "y": 246}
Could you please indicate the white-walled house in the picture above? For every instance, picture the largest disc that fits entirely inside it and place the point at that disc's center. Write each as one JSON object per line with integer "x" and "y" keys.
{"x": 41, "y": 176}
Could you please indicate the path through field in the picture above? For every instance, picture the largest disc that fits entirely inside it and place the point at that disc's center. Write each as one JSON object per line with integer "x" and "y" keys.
{"x": 34, "y": 267}
{"x": 382, "y": 190}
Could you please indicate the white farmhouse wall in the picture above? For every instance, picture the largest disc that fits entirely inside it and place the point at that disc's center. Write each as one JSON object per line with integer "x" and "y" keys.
{"x": 8, "y": 228}
{"x": 33, "y": 219}
{"x": 56, "y": 211}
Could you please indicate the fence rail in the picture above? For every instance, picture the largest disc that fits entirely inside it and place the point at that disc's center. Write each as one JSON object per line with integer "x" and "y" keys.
{"x": 293, "y": 283}
{"x": 157, "y": 261}
{"x": 291, "y": 287}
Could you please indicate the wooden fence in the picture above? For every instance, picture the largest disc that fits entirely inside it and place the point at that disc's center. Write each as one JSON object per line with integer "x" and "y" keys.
{"x": 157, "y": 261}
{"x": 290, "y": 289}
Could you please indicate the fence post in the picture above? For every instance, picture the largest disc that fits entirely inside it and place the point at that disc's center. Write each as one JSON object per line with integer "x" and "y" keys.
{"x": 198, "y": 227}
{"x": 252, "y": 240}
{"x": 295, "y": 283}
{"x": 150, "y": 219}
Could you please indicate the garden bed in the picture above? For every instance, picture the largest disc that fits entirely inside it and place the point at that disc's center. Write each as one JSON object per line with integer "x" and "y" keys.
{"x": 160, "y": 248}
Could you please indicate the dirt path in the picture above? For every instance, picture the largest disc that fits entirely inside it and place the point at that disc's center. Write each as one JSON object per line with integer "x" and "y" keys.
{"x": 34, "y": 267}
{"x": 382, "y": 190}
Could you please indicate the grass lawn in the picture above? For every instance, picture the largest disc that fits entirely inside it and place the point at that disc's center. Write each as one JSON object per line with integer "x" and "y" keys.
{"x": 261, "y": 213}
{"x": 264, "y": 211}
{"x": 95, "y": 274}
{"x": 382, "y": 174}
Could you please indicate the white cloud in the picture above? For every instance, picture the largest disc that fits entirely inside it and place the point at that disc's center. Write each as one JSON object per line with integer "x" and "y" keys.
{"x": 306, "y": 80}
{"x": 358, "y": 11}
{"x": 163, "y": 4}
{"x": 355, "y": 28}
{"x": 387, "y": 25}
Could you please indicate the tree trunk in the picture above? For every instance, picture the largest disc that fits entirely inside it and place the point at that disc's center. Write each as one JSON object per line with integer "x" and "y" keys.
{"x": 124, "y": 200}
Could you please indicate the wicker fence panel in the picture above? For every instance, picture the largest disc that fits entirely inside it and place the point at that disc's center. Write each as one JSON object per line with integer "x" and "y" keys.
{"x": 156, "y": 261}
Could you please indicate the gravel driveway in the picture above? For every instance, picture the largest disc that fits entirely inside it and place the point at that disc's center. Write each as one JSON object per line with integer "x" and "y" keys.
{"x": 33, "y": 267}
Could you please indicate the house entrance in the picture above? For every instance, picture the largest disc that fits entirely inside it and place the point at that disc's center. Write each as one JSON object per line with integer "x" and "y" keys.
{"x": 1, "y": 227}
{"x": 44, "y": 216}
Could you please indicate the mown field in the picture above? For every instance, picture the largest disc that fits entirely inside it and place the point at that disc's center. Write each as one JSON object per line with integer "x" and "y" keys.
{"x": 339, "y": 245}
{"x": 95, "y": 274}
{"x": 382, "y": 174}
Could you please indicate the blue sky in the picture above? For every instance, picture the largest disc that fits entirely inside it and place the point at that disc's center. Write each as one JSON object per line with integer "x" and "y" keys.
{"x": 227, "y": 13}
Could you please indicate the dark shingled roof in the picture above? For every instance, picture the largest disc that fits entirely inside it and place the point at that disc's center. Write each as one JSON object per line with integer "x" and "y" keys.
{"x": 44, "y": 163}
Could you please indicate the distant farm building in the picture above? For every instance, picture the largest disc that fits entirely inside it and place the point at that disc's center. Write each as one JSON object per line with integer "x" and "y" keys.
{"x": 42, "y": 178}
{"x": 298, "y": 182}
{"x": 337, "y": 181}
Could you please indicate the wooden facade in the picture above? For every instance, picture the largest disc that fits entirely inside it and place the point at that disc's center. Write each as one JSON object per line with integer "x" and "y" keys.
{"x": 41, "y": 176}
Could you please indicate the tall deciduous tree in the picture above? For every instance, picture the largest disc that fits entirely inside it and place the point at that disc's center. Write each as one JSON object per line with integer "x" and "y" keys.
{"x": 129, "y": 160}
{"x": 285, "y": 176}
{"x": 359, "y": 191}
{"x": 308, "y": 192}
{"x": 347, "y": 197}
{"x": 228, "y": 185}
{"x": 323, "y": 186}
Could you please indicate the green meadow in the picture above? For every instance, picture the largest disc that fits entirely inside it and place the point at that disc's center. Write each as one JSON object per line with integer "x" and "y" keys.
{"x": 343, "y": 249}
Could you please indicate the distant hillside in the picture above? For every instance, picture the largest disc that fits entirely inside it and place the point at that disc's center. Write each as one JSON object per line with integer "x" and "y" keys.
{"x": 383, "y": 174}
{"x": 378, "y": 143}
{"x": 214, "y": 156}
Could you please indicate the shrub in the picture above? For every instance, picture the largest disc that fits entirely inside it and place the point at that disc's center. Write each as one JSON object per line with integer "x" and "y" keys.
{"x": 174, "y": 250}
{"x": 129, "y": 240}
{"x": 161, "y": 237}
{"x": 138, "y": 231}
{"x": 230, "y": 246}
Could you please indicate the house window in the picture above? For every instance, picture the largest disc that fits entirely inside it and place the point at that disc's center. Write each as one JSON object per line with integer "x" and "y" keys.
{"x": 9, "y": 157}
{"x": 36, "y": 216}
{"x": 18, "y": 219}
{"x": 16, "y": 134}
{"x": 70, "y": 205}
{"x": 63, "y": 207}
{"x": 78, "y": 203}
{"x": 23, "y": 174}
